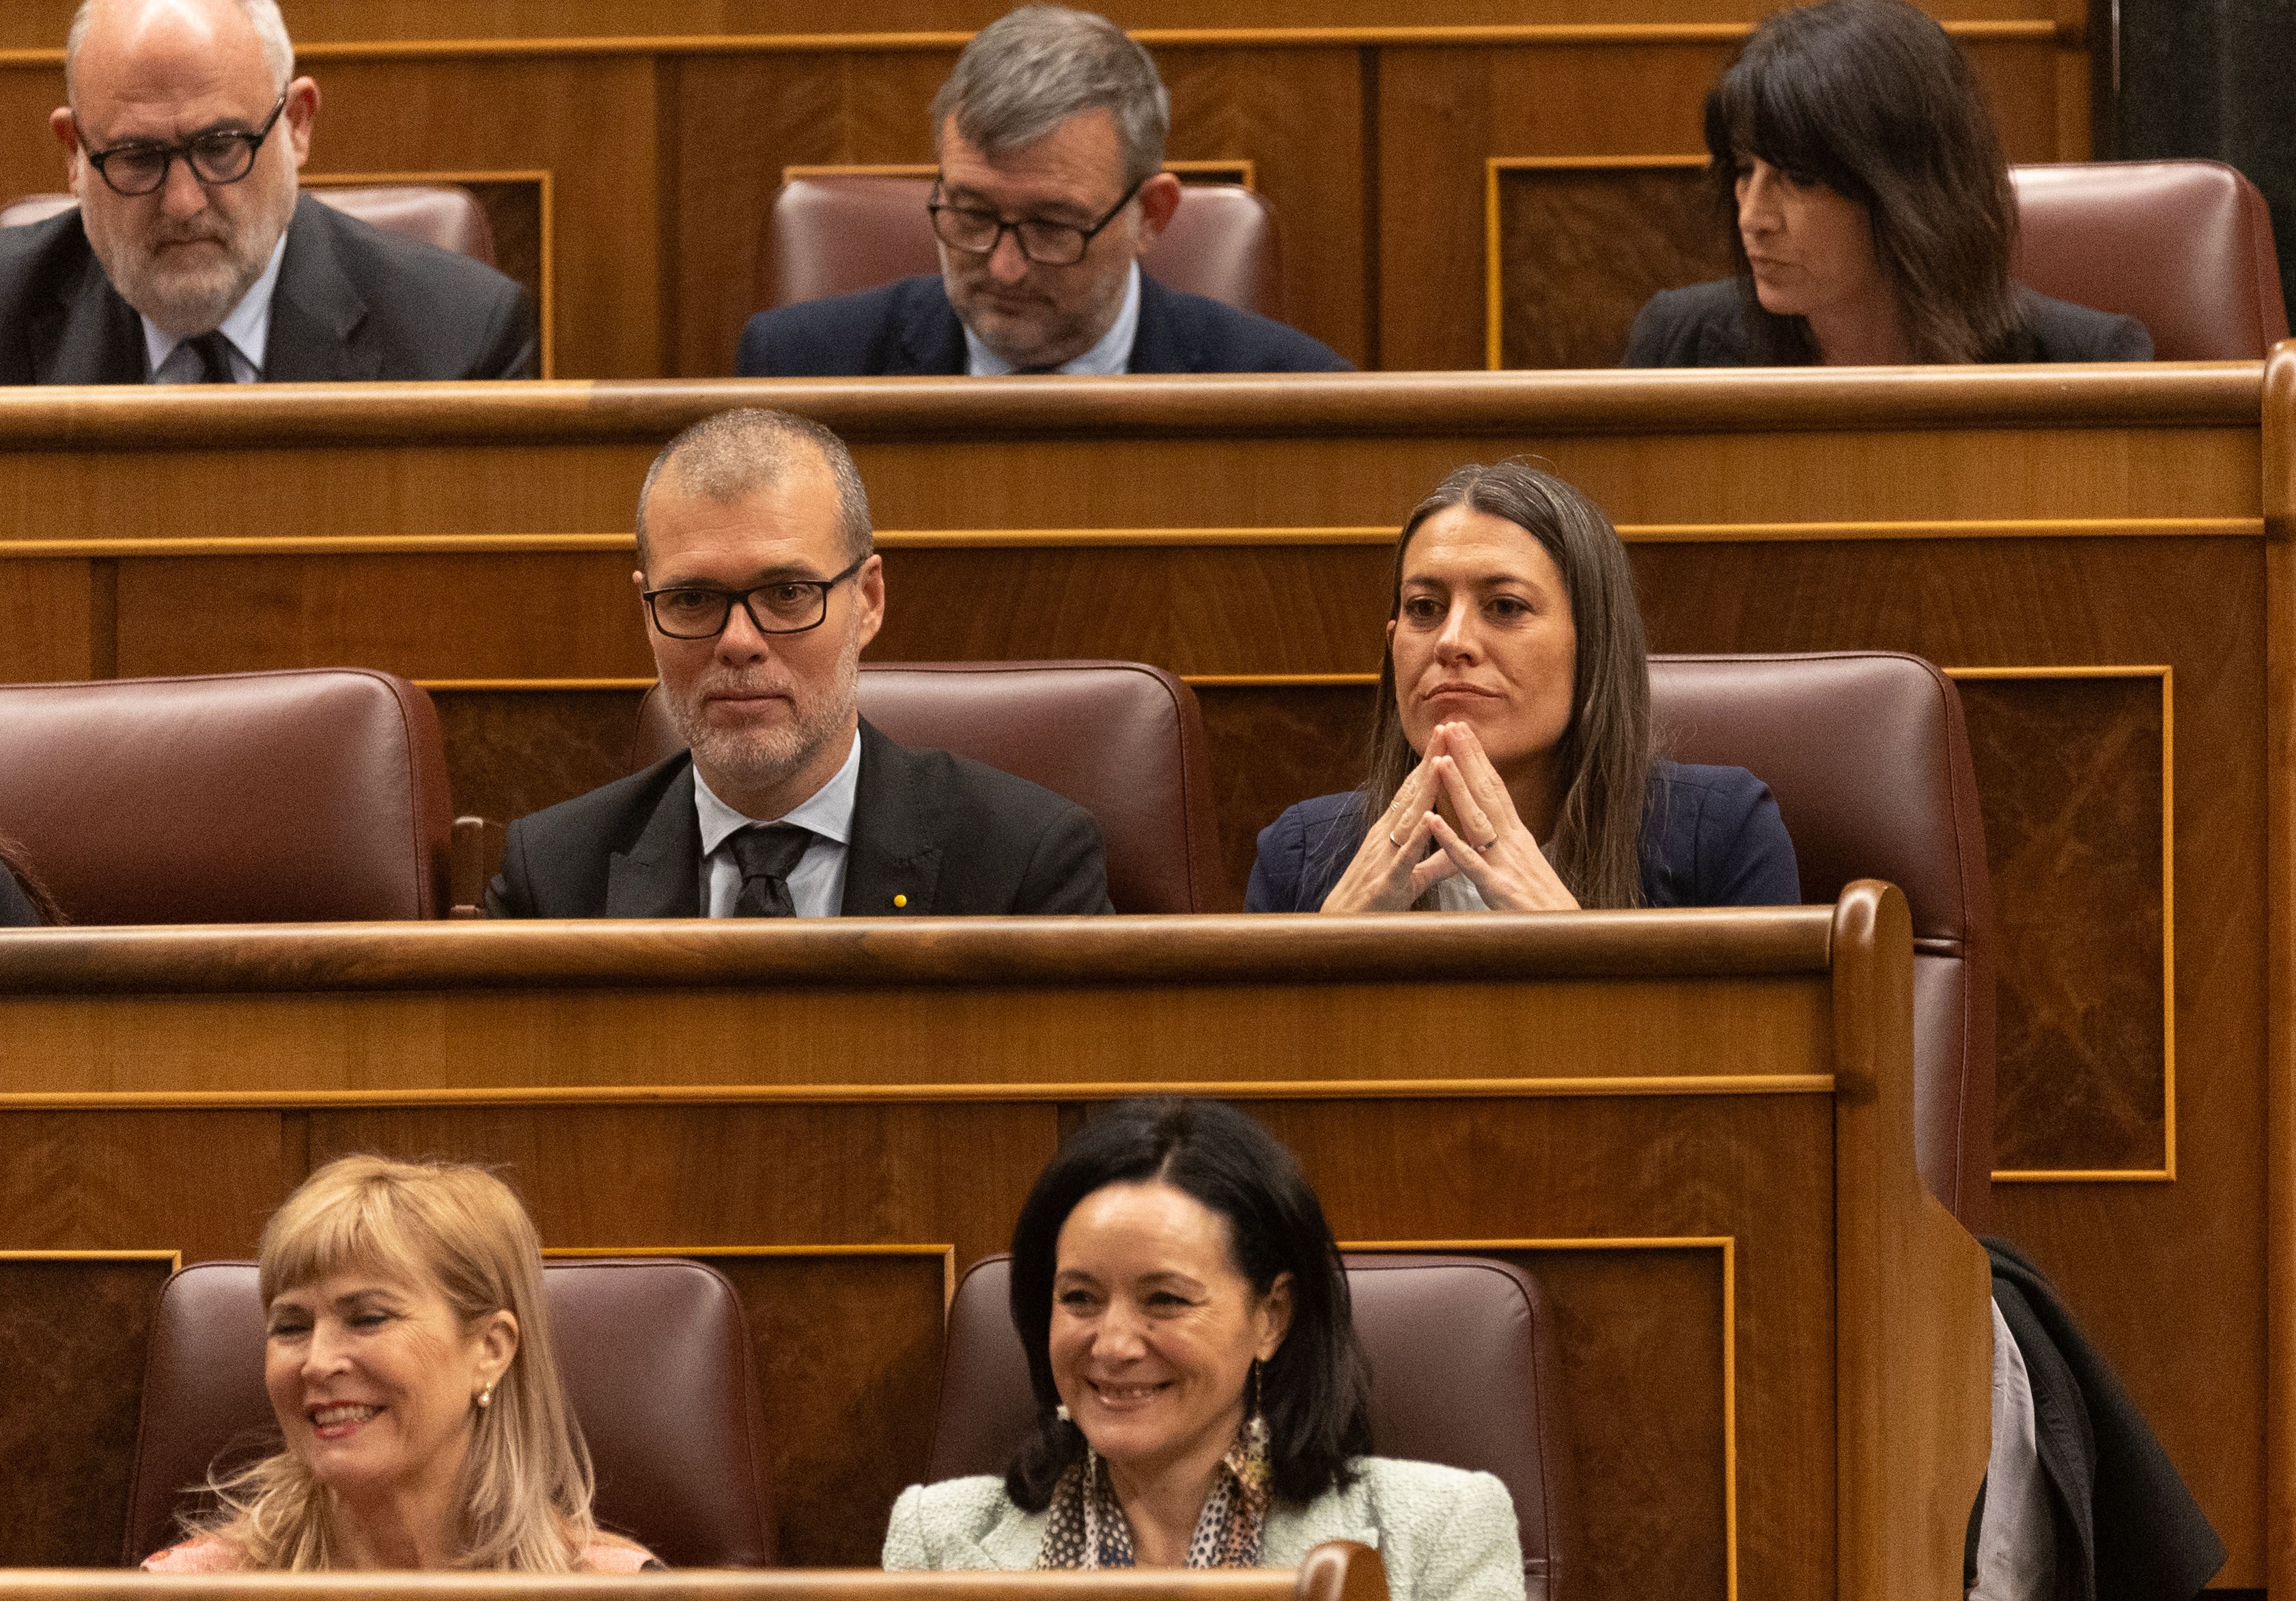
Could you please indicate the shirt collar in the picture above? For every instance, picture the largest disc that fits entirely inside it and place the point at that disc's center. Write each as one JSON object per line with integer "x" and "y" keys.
{"x": 828, "y": 811}
{"x": 247, "y": 327}
{"x": 1112, "y": 355}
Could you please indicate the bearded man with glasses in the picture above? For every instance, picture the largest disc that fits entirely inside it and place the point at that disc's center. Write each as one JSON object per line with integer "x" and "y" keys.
{"x": 758, "y": 584}
{"x": 1050, "y": 137}
{"x": 189, "y": 257}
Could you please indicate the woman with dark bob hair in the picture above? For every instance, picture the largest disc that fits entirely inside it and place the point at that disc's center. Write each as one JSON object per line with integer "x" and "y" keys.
{"x": 1202, "y": 1400}
{"x": 1511, "y": 765}
{"x": 1869, "y": 210}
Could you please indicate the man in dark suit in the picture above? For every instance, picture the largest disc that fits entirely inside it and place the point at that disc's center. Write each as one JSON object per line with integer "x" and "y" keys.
{"x": 760, "y": 584}
{"x": 190, "y": 257}
{"x": 1050, "y": 136}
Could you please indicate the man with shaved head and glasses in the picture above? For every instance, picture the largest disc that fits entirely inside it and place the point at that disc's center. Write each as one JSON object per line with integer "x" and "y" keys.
{"x": 190, "y": 258}
{"x": 1050, "y": 137}
{"x": 758, "y": 584}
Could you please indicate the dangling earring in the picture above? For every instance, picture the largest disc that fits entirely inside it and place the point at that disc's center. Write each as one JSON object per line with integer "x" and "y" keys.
{"x": 485, "y": 1397}
{"x": 1256, "y": 1468}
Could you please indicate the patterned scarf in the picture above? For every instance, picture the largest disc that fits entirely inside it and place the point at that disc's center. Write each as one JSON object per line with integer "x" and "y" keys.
{"x": 1088, "y": 1529}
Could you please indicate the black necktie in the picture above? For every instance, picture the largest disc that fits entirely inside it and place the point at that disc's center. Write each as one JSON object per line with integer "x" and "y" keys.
{"x": 214, "y": 352}
{"x": 767, "y": 852}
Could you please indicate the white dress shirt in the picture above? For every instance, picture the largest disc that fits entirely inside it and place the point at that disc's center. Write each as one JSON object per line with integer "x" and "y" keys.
{"x": 247, "y": 331}
{"x": 816, "y": 884}
{"x": 1112, "y": 355}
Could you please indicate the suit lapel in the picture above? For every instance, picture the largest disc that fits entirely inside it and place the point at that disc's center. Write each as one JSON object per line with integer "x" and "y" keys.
{"x": 660, "y": 875}
{"x": 1156, "y": 345}
{"x": 88, "y": 334}
{"x": 895, "y": 847}
{"x": 931, "y": 339}
{"x": 315, "y": 310}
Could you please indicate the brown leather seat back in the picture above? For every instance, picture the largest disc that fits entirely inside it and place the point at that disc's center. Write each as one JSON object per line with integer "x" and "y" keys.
{"x": 2183, "y": 247}
{"x": 308, "y": 796}
{"x": 655, "y": 1353}
{"x": 1868, "y": 757}
{"x": 836, "y": 233}
{"x": 1463, "y": 1372}
{"x": 441, "y": 214}
{"x": 1124, "y": 741}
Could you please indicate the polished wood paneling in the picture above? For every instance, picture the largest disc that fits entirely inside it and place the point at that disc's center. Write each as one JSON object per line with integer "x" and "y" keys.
{"x": 1271, "y": 746}
{"x": 46, "y": 621}
{"x": 510, "y": 752}
{"x": 2072, "y": 772}
{"x": 894, "y": 1087}
{"x": 77, "y": 1181}
{"x": 71, "y": 1342}
{"x": 1580, "y": 248}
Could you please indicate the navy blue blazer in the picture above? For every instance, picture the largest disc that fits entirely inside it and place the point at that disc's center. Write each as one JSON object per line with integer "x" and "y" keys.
{"x": 1711, "y": 836}
{"x": 1705, "y": 326}
{"x": 908, "y": 327}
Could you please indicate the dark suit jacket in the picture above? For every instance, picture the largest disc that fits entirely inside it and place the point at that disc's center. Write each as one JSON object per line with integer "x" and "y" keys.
{"x": 1711, "y": 836}
{"x": 956, "y": 837}
{"x": 2127, "y": 1528}
{"x": 15, "y": 905}
{"x": 352, "y": 302}
{"x": 909, "y": 327}
{"x": 1704, "y": 325}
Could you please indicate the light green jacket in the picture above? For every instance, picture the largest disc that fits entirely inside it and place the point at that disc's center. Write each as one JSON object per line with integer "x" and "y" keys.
{"x": 1443, "y": 1534}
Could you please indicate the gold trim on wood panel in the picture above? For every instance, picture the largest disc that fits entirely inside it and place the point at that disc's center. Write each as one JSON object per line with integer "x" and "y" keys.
{"x": 2017, "y": 31}
{"x": 519, "y": 685}
{"x": 1278, "y": 680}
{"x": 946, "y": 1253}
{"x": 1727, "y": 1245}
{"x": 1494, "y": 290}
{"x": 1185, "y": 170}
{"x": 174, "y": 1258}
{"x": 806, "y": 1095}
{"x": 1023, "y": 538}
{"x": 2166, "y": 1173}
{"x": 540, "y": 176}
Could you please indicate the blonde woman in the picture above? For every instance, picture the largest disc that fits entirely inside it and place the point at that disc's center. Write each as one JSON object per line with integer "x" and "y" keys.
{"x": 409, "y": 1363}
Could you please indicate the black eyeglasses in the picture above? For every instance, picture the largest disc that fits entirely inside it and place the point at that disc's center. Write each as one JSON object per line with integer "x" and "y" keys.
{"x": 221, "y": 155}
{"x": 785, "y": 606}
{"x": 978, "y": 233}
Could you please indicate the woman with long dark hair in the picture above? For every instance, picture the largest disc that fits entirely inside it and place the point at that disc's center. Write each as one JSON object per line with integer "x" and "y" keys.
{"x": 1869, "y": 210}
{"x": 24, "y": 901}
{"x": 1202, "y": 1400}
{"x": 1511, "y": 765}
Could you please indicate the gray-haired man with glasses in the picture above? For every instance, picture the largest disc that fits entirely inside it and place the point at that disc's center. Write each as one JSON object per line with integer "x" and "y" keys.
{"x": 1050, "y": 137}
{"x": 758, "y": 584}
{"x": 190, "y": 258}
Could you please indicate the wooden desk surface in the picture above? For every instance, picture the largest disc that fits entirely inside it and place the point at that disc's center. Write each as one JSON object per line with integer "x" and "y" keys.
{"x": 1696, "y": 1128}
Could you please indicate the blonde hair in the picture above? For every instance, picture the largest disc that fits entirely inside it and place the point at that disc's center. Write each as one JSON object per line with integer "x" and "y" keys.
{"x": 527, "y": 1483}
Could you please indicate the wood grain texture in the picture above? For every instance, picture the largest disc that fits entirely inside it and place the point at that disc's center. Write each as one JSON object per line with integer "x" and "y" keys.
{"x": 1580, "y": 250}
{"x": 81, "y": 1181}
{"x": 71, "y": 1336}
{"x": 1272, "y": 748}
{"x": 45, "y": 621}
{"x": 2070, "y": 772}
{"x": 510, "y": 752}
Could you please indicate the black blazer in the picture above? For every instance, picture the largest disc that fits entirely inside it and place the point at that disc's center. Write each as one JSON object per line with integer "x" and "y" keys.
{"x": 909, "y": 327}
{"x": 1711, "y": 836}
{"x": 15, "y": 905}
{"x": 955, "y": 837}
{"x": 352, "y": 302}
{"x": 1704, "y": 325}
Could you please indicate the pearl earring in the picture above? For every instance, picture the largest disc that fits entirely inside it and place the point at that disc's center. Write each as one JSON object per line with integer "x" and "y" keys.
{"x": 1061, "y": 1412}
{"x": 485, "y": 1397}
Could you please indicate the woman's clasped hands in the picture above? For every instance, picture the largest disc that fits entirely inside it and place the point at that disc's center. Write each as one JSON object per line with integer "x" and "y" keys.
{"x": 1456, "y": 803}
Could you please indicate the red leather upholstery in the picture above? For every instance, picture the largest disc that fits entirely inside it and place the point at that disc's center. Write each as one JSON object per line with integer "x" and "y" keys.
{"x": 308, "y": 796}
{"x": 1123, "y": 740}
{"x": 1869, "y": 759}
{"x": 831, "y": 235}
{"x": 440, "y": 214}
{"x": 1463, "y": 1372}
{"x": 655, "y": 1354}
{"x": 2183, "y": 247}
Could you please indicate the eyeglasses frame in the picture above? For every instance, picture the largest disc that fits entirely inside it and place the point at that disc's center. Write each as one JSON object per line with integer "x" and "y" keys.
{"x": 181, "y": 150}
{"x": 742, "y": 597}
{"x": 935, "y": 207}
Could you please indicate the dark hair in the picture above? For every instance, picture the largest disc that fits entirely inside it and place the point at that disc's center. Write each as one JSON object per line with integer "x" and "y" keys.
{"x": 13, "y": 863}
{"x": 1315, "y": 1391}
{"x": 1606, "y": 752}
{"x": 1870, "y": 98}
